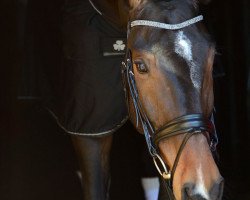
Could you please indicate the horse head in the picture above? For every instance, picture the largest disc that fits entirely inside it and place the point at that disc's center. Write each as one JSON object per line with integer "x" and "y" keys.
{"x": 169, "y": 83}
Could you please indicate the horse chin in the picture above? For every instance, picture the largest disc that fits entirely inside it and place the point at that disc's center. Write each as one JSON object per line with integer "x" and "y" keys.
{"x": 197, "y": 176}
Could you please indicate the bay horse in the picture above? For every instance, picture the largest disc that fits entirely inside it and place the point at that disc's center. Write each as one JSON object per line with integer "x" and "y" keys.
{"x": 168, "y": 82}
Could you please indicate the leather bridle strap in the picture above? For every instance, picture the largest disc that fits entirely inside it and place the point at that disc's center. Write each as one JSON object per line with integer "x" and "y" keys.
{"x": 188, "y": 125}
{"x": 184, "y": 124}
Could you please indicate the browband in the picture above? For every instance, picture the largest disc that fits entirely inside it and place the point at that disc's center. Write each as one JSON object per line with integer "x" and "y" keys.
{"x": 166, "y": 26}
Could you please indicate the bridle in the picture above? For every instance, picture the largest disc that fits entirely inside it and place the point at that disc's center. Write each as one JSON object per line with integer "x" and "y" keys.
{"x": 189, "y": 125}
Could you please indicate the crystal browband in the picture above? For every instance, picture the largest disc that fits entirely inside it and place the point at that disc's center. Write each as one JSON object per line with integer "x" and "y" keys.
{"x": 166, "y": 26}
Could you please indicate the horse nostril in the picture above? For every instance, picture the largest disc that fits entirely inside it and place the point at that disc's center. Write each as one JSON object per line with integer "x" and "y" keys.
{"x": 221, "y": 188}
{"x": 192, "y": 192}
{"x": 188, "y": 193}
{"x": 217, "y": 190}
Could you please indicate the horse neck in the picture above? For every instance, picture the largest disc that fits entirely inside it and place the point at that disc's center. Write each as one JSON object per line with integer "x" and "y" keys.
{"x": 115, "y": 11}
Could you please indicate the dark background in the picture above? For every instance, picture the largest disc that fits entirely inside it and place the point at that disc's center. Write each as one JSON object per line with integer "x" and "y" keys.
{"x": 37, "y": 160}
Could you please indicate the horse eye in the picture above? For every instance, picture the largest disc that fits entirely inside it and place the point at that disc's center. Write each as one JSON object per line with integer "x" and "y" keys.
{"x": 141, "y": 66}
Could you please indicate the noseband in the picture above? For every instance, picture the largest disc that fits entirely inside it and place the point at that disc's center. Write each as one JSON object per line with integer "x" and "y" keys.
{"x": 188, "y": 124}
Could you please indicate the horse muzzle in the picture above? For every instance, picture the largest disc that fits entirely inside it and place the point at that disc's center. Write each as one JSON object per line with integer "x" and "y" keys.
{"x": 193, "y": 191}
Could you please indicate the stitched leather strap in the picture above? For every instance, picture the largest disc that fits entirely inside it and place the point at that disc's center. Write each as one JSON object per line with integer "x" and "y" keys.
{"x": 184, "y": 124}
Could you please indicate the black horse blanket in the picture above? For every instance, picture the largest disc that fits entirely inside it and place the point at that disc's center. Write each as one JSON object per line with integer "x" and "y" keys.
{"x": 90, "y": 93}
{"x": 79, "y": 56}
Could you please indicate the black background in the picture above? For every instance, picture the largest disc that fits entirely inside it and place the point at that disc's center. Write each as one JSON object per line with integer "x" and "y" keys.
{"x": 37, "y": 160}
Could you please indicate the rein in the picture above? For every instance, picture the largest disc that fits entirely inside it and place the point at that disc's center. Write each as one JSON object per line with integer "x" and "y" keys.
{"x": 189, "y": 125}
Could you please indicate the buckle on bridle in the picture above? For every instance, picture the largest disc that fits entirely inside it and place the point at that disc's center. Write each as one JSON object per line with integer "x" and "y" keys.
{"x": 166, "y": 175}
